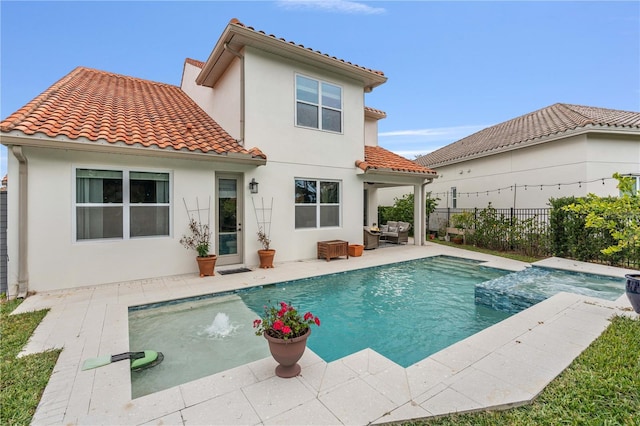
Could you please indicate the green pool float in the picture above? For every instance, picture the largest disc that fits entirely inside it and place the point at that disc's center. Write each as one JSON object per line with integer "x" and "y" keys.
{"x": 139, "y": 360}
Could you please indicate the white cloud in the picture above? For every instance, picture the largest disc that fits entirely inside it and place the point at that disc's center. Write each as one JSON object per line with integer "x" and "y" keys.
{"x": 437, "y": 133}
{"x": 339, "y": 6}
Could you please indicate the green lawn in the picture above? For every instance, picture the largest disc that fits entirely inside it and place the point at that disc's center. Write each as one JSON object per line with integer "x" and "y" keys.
{"x": 22, "y": 379}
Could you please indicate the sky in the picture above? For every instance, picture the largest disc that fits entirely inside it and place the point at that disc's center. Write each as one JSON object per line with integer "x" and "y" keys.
{"x": 453, "y": 67}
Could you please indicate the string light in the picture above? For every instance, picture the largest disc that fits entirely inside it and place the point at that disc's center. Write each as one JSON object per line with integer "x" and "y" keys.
{"x": 515, "y": 187}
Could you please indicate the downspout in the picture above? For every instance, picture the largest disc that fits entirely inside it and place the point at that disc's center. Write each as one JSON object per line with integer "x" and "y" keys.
{"x": 239, "y": 55}
{"x": 23, "y": 222}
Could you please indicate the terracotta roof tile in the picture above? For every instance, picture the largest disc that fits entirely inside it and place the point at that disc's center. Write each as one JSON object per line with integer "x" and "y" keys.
{"x": 553, "y": 120}
{"x": 374, "y": 113}
{"x": 99, "y": 105}
{"x": 236, "y": 22}
{"x": 194, "y": 62}
{"x": 378, "y": 158}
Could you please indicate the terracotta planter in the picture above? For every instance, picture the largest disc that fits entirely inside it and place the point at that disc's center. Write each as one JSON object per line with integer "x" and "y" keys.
{"x": 266, "y": 258}
{"x": 287, "y": 353}
{"x": 633, "y": 290}
{"x": 355, "y": 250}
{"x": 207, "y": 264}
{"x": 458, "y": 239}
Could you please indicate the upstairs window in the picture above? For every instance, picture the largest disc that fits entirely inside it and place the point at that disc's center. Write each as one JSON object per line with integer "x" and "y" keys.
{"x": 317, "y": 203}
{"x": 121, "y": 204}
{"x": 318, "y": 104}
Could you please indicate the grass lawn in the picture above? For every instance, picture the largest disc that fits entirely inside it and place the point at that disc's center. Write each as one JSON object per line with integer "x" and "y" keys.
{"x": 23, "y": 379}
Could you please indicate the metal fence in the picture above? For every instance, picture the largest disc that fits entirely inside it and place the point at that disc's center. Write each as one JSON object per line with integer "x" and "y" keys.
{"x": 525, "y": 231}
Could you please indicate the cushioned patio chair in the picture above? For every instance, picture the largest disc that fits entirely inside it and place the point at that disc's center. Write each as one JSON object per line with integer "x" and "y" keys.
{"x": 371, "y": 239}
{"x": 396, "y": 232}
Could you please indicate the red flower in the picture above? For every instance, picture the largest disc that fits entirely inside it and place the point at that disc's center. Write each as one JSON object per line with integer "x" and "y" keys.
{"x": 317, "y": 321}
{"x": 286, "y": 329}
{"x": 281, "y": 312}
{"x": 256, "y": 323}
{"x": 308, "y": 316}
{"x": 277, "y": 325}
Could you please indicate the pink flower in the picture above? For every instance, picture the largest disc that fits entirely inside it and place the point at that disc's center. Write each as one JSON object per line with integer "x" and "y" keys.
{"x": 257, "y": 323}
{"x": 286, "y": 329}
{"x": 277, "y": 325}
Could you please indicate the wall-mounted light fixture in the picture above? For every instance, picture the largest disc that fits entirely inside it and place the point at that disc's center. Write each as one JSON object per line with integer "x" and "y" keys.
{"x": 253, "y": 186}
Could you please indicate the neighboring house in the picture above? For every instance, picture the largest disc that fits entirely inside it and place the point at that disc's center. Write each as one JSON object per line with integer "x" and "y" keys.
{"x": 103, "y": 165}
{"x": 558, "y": 151}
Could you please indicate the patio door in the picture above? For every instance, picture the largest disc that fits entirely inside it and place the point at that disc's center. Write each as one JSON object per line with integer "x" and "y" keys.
{"x": 229, "y": 216}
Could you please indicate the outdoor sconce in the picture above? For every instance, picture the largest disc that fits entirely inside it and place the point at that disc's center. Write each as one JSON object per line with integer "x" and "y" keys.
{"x": 253, "y": 186}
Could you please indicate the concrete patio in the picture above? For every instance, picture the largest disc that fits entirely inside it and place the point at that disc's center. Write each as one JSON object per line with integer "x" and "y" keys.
{"x": 506, "y": 365}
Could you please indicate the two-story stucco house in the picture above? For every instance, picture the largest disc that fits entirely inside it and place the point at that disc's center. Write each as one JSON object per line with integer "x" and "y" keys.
{"x": 105, "y": 168}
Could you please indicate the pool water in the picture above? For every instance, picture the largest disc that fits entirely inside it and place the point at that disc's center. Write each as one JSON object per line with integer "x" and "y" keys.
{"x": 405, "y": 311}
{"x": 515, "y": 292}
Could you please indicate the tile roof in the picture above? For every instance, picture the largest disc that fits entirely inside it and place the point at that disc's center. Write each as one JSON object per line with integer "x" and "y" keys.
{"x": 374, "y": 113}
{"x": 102, "y": 106}
{"x": 194, "y": 62}
{"x": 378, "y": 158}
{"x": 553, "y": 120}
{"x": 237, "y": 23}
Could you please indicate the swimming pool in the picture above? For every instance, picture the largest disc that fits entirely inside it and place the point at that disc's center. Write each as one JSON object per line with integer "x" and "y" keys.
{"x": 405, "y": 311}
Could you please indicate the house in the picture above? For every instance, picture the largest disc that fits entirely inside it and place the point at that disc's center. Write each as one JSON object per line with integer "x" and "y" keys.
{"x": 558, "y": 151}
{"x": 108, "y": 169}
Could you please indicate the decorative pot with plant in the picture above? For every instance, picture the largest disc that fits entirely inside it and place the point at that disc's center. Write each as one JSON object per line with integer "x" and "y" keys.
{"x": 266, "y": 254}
{"x": 199, "y": 239}
{"x": 287, "y": 332}
{"x": 633, "y": 291}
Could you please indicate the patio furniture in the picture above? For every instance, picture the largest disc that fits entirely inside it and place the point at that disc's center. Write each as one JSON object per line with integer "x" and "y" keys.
{"x": 332, "y": 249}
{"x": 395, "y": 232}
{"x": 371, "y": 238}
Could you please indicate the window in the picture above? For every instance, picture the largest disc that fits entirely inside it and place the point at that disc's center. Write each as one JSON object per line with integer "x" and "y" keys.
{"x": 454, "y": 197}
{"x": 317, "y": 203}
{"x": 318, "y": 104}
{"x": 121, "y": 204}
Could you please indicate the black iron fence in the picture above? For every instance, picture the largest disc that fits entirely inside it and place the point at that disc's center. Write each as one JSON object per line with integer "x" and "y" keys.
{"x": 525, "y": 231}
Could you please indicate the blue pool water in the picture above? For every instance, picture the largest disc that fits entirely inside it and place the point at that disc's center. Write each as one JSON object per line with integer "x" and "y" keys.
{"x": 513, "y": 293}
{"x": 405, "y": 311}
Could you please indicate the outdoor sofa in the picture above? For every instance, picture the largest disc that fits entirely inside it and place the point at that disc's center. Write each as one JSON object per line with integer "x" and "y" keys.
{"x": 395, "y": 232}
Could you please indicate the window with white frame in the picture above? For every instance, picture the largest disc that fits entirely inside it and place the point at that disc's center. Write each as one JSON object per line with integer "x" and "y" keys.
{"x": 317, "y": 203}
{"x": 454, "y": 197}
{"x": 121, "y": 204}
{"x": 318, "y": 104}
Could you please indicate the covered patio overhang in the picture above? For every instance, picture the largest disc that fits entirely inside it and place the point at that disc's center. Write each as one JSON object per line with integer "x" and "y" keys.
{"x": 384, "y": 169}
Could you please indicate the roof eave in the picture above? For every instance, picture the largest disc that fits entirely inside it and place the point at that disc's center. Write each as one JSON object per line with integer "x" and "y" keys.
{"x": 237, "y": 37}
{"x": 102, "y": 146}
{"x": 591, "y": 128}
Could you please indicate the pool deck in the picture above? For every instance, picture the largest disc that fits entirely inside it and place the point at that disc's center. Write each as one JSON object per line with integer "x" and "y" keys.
{"x": 506, "y": 365}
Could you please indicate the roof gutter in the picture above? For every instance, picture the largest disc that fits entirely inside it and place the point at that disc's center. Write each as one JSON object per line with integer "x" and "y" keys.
{"x": 23, "y": 222}
{"x": 242, "y": 108}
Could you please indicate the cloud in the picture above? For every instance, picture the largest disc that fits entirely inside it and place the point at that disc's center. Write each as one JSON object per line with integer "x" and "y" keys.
{"x": 338, "y": 6}
{"x": 437, "y": 133}
{"x": 411, "y": 143}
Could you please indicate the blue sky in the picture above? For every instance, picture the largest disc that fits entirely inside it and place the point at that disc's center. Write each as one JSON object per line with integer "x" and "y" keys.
{"x": 453, "y": 67}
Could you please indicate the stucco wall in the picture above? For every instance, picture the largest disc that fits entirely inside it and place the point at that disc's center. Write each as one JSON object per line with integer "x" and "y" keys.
{"x": 568, "y": 161}
{"x": 296, "y": 152}
{"x": 57, "y": 261}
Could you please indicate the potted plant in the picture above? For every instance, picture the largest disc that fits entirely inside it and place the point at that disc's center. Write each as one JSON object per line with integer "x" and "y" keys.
{"x": 286, "y": 332}
{"x": 266, "y": 254}
{"x": 199, "y": 239}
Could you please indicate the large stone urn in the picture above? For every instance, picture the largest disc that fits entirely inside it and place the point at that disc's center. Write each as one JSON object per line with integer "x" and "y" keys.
{"x": 633, "y": 290}
{"x": 287, "y": 353}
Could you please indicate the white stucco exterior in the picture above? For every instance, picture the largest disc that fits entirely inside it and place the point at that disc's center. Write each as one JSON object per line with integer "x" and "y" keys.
{"x": 251, "y": 94}
{"x": 578, "y": 163}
